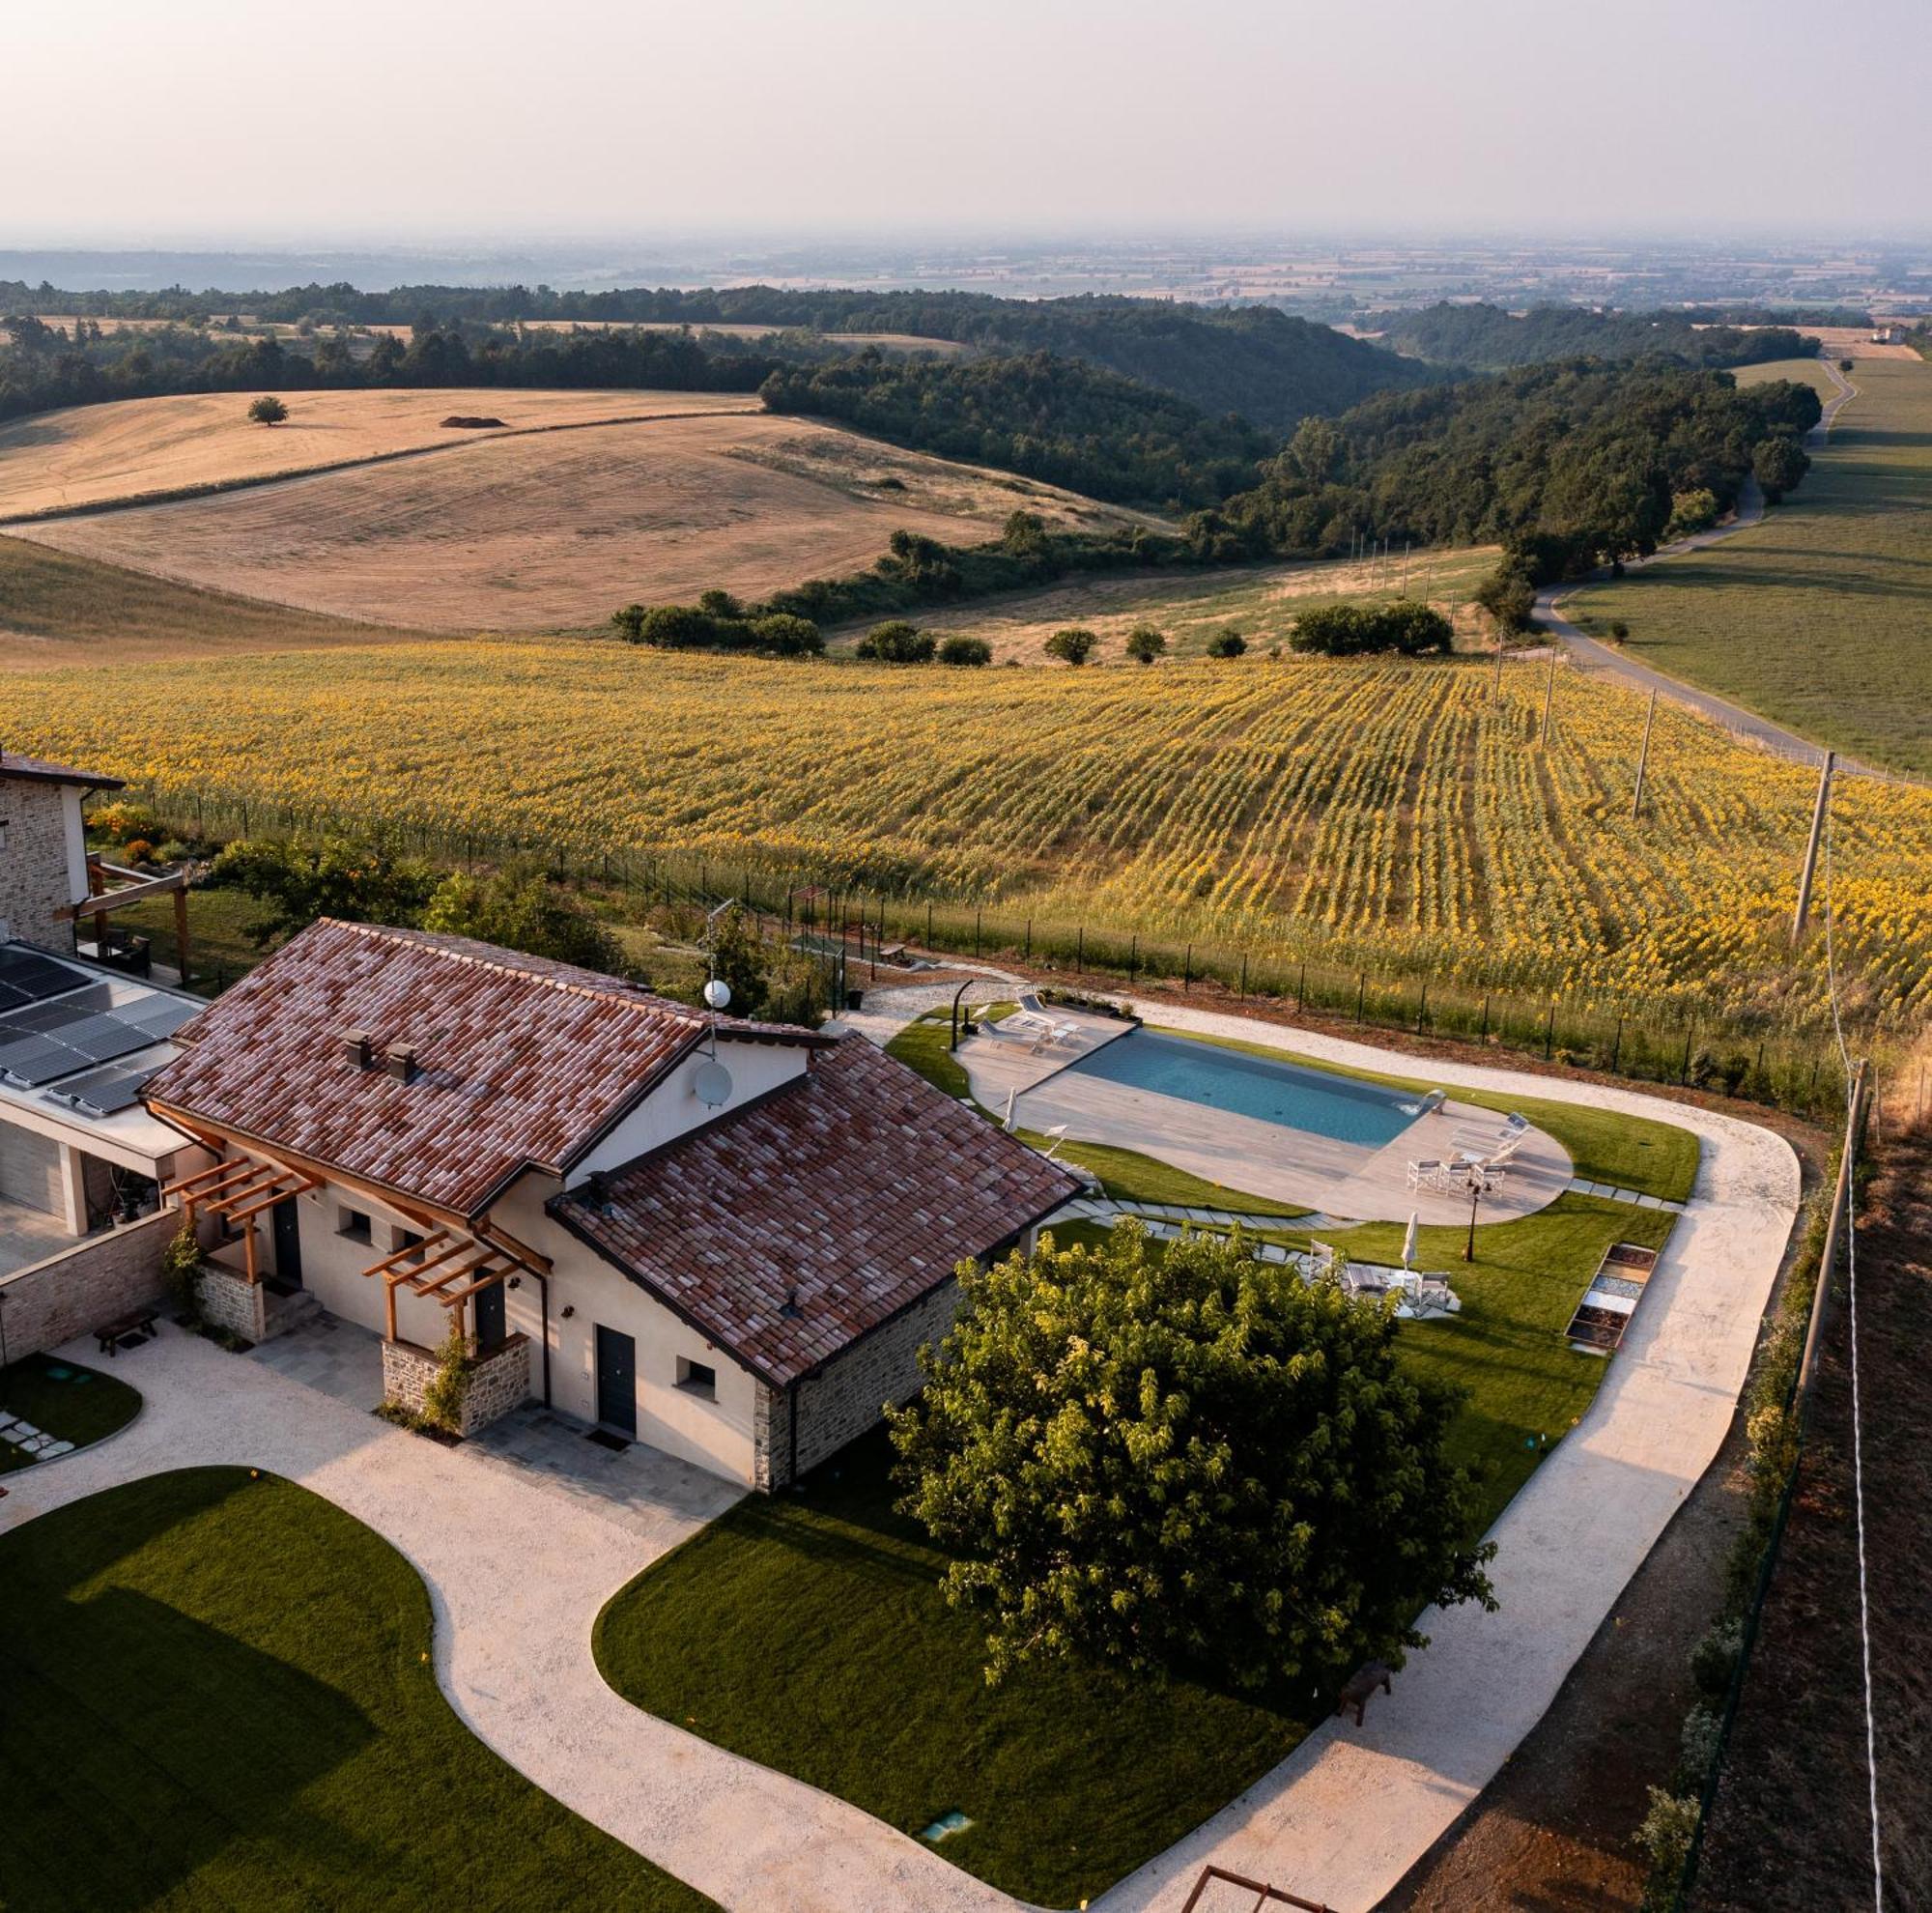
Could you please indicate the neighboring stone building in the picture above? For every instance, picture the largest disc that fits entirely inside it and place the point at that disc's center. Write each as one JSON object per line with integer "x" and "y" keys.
{"x": 725, "y": 1238}
{"x": 43, "y": 848}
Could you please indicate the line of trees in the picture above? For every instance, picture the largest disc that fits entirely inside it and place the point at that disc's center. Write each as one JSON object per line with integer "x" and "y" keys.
{"x": 1487, "y": 338}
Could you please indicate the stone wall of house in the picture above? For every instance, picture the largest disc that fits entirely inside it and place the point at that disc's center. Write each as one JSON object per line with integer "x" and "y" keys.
{"x": 82, "y": 1288}
{"x": 850, "y": 1393}
{"x": 230, "y": 1300}
{"x": 498, "y": 1380}
{"x": 34, "y": 874}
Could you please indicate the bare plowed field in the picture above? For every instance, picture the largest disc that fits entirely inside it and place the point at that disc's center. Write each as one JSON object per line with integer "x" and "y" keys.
{"x": 556, "y": 530}
{"x": 94, "y": 454}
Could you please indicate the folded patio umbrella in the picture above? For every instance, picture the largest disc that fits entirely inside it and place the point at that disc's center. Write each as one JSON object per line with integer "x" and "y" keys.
{"x": 1408, "y": 1241}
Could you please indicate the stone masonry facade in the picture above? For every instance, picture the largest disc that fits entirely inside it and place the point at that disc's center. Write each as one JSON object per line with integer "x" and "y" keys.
{"x": 231, "y": 1302}
{"x": 75, "y": 1292}
{"x": 850, "y": 1393}
{"x": 34, "y": 875}
{"x": 498, "y": 1380}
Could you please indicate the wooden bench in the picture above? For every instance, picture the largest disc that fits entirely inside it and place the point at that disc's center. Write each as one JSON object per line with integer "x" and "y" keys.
{"x": 136, "y": 1322}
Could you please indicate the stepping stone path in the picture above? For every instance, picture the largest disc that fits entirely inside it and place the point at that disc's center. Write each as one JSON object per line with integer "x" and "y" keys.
{"x": 1580, "y": 1188}
{"x": 32, "y": 1441}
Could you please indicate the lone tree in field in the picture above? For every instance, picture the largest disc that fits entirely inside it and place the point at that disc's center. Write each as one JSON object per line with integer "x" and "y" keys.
{"x": 1195, "y": 1460}
{"x": 1144, "y": 644}
{"x": 1779, "y": 462}
{"x": 1074, "y": 646}
{"x": 267, "y": 409}
{"x": 1228, "y": 643}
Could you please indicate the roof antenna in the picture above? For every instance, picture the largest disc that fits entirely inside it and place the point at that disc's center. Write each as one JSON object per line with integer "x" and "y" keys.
{"x": 712, "y": 1081}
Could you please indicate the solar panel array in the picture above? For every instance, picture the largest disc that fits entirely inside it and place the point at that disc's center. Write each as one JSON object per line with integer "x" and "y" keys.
{"x": 85, "y": 1027}
{"x": 26, "y": 975}
{"x": 101, "y": 1092}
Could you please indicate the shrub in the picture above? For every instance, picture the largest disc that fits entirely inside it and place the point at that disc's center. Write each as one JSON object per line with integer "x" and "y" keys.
{"x": 1619, "y": 630}
{"x": 719, "y": 604}
{"x": 1666, "y": 1833}
{"x": 965, "y": 651}
{"x": 1346, "y": 631}
{"x": 1144, "y": 644}
{"x": 897, "y": 641}
{"x": 1228, "y": 643}
{"x": 785, "y": 636}
{"x": 1691, "y": 512}
{"x": 675, "y": 628}
{"x": 1073, "y": 645}
{"x": 181, "y": 1272}
{"x": 449, "y": 1386}
{"x": 267, "y": 409}
{"x": 1699, "y": 1744}
{"x": 1715, "y": 1658}
{"x": 125, "y": 822}
{"x": 1509, "y": 597}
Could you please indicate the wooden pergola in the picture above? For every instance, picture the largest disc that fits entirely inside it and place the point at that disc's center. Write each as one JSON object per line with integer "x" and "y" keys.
{"x": 450, "y": 1265}
{"x": 129, "y": 886}
{"x": 237, "y": 1192}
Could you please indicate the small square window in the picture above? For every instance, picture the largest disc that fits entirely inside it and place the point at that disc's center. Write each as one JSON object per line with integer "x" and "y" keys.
{"x": 354, "y": 1224}
{"x": 404, "y": 1239}
{"x": 696, "y": 1379}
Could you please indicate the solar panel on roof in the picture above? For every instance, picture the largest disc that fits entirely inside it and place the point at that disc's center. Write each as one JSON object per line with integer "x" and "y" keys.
{"x": 162, "y": 1017}
{"x": 62, "y": 1012}
{"x": 102, "y": 1091}
{"x": 34, "y": 1060}
{"x": 102, "y": 1045}
{"x": 34, "y": 976}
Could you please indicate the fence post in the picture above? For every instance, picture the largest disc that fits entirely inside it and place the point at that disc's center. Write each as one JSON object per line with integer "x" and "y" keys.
{"x": 1080, "y": 952}
{"x": 1245, "y": 973}
{"x": 1187, "y": 971}
{"x": 1684, "y": 1071}
{"x": 1549, "y": 1030}
{"x": 1422, "y": 1010}
{"x": 977, "y": 913}
{"x": 1361, "y": 994}
{"x": 1617, "y": 1047}
{"x": 1486, "y": 1017}
{"x": 1028, "y": 957}
{"x": 1301, "y": 988}
{"x": 928, "y": 923}
{"x": 1134, "y": 959}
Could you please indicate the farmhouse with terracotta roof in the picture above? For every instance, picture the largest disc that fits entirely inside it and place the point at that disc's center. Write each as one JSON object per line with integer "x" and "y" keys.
{"x": 725, "y": 1238}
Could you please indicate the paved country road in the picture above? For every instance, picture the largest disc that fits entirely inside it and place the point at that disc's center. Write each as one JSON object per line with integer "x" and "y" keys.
{"x": 1592, "y": 655}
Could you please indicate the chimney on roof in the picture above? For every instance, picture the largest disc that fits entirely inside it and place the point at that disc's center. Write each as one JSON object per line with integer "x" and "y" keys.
{"x": 790, "y": 1308}
{"x": 597, "y": 1190}
{"x": 400, "y": 1060}
{"x": 360, "y": 1048}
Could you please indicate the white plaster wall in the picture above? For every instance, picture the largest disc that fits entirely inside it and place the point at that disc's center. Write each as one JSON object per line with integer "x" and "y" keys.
{"x": 714, "y": 1435}
{"x": 672, "y": 1108}
{"x": 332, "y": 1266}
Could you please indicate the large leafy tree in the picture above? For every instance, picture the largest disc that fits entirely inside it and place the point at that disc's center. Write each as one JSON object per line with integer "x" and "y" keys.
{"x": 1191, "y": 1460}
{"x": 518, "y": 909}
{"x": 302, "y": 878}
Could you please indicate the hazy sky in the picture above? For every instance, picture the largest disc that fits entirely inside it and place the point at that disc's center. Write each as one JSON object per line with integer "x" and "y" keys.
{"x": 230, "y": 119}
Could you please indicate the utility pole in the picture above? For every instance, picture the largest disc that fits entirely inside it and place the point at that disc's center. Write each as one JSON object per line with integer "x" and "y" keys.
{"x": 1819, "y": 811}
{"x": 1549, "y": 696}
{"x": 1407, "y": 547}
{"x": 1496, "y": 681}
{"x": 1643, "y": 759}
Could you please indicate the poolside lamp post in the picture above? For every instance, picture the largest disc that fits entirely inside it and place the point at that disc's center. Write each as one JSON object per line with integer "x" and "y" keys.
{"x": 1477, "y": 1182}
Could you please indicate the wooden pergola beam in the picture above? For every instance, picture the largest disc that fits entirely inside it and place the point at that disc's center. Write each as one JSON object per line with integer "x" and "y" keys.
{"x": 413, "y": 1272}
{"x": 228, "y": 1166}
{"x": 396, "y": 1258}
{"x": 276, "y": 1195}
{"x": 104, "y": 901}
{"x": 461, "y": 1296}
{"x": 493, "y": 1231}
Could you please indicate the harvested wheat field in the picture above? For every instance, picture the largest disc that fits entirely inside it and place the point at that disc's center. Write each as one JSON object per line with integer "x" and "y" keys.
{"x": 1855, "y": 342}
{"x": 545, "y": 531}
{"x": 95, "y": 454}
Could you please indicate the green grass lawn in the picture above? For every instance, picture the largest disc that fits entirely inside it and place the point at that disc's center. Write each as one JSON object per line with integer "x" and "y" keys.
{"x": 1820, "y": 617}
{"x": 1626, "y": 1152}
{"x": 65, "y": 1399}
{"x": 219, "y": 946}
{"x": 1126, "y": 1174}
{"x": 217, "y": 1695}
{"x": 809, "y": 1633}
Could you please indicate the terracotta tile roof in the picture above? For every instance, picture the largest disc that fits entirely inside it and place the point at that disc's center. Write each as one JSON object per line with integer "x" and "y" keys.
{"x": 40, "y": 771}
{"x": 858, "y": 1185}
{"x": 521, "y": 1061}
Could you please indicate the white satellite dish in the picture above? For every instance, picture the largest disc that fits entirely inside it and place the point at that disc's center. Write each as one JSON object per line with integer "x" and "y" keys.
{"x": 718, "y": 993}
{"x": 711, "y": 1084}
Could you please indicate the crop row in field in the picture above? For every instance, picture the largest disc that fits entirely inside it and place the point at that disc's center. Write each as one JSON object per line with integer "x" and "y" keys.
{"x": 1401, "y": 814}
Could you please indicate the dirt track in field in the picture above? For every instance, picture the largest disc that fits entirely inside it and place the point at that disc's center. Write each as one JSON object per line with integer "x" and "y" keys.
{"x": 555, "y": 530}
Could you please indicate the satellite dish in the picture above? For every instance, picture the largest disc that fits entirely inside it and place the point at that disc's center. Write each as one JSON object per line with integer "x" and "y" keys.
{"x": 712, "y": 1084}
{"x": 717, "y": 993}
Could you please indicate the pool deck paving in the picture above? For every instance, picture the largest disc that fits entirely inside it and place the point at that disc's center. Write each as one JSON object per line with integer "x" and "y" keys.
{"x": 519, "y": 1565}
{"x": 1344, "y": 1181}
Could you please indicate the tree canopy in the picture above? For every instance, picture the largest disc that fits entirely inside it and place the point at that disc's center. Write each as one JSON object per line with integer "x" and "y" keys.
{"x": 517, "y": 910}
{"x": 1147, "y": 1462}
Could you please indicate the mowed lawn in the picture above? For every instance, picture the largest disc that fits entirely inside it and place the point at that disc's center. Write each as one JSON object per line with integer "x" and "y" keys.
{"x": 1821, "y": 617}
{"x": 216, "y": 1691}
{"x": 809, "y": 1633}
{"x": 64, "y": 1399}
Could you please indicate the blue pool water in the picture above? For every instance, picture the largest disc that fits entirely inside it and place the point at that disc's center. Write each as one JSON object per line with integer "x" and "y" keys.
{"x": 1342, "y": 1108}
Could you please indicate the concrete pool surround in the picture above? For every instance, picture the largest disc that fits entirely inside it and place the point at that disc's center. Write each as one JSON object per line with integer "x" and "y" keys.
{"x": 1301, "y": 1168}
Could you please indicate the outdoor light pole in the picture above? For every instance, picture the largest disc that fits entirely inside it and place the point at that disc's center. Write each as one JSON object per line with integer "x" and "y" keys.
{"x": 1477, "y": 1184}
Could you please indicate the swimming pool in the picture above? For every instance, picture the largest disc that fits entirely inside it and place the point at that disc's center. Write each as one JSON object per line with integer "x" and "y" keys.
{"x": 1343, "y": 1108}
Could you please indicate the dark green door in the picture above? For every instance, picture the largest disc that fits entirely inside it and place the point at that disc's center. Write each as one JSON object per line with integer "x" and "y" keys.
{"x": 490, "y": 1318}
{"x": 287, "y": 1219}
{"x": 616, "y": 1380}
